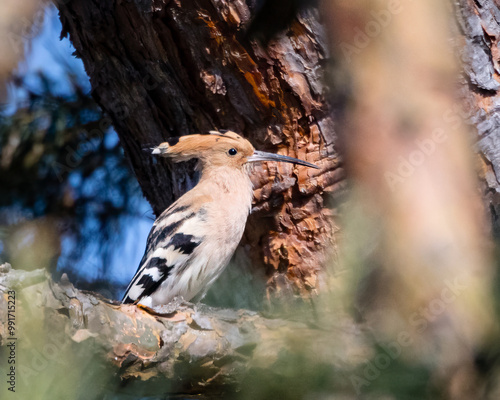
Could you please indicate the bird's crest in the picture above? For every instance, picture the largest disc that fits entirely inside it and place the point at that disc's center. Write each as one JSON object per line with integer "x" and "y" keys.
{"x": 183, "y": 148}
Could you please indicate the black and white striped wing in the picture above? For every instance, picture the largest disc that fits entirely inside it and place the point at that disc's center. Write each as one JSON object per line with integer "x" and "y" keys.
{"x": 170, "y": 246}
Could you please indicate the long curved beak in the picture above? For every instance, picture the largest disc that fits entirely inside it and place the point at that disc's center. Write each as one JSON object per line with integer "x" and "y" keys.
{"x": 263, "y": 156}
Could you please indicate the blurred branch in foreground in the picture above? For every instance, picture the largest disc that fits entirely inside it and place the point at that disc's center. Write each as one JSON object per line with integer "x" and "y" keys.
{"x": 18, "y": 24}
{"x": 427, "y": 281}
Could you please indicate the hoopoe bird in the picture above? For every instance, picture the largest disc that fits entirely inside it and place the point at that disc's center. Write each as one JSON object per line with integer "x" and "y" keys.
{"x": 193, "y": 240}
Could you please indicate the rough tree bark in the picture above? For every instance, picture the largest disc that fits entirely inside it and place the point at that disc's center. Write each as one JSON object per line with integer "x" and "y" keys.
{"x": 170, "y": 68}
{"x": 480, "y": 25}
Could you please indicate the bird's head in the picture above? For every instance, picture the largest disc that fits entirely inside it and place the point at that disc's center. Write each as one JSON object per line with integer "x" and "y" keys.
{"x": 224, "y": 148}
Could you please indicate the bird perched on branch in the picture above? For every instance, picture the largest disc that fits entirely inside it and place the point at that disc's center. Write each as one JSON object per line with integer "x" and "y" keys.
{"x": 192, "y": 241}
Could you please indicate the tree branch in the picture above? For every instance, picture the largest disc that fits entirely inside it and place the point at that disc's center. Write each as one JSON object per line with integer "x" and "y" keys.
{"x": 196, "y": 349}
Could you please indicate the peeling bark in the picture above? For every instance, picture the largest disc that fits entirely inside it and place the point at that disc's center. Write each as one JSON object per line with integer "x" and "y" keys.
{"x": 480, "y": 26}
{"x": 170, "y": 68}
{"x": 194, "y": 350}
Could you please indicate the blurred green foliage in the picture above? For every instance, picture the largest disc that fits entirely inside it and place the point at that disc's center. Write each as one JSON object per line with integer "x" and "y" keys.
{"x": 66, "y": 186}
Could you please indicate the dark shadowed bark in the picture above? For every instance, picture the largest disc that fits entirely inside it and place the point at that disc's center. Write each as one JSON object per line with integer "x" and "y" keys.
{"x": 480, "y": 24}
{"x": 170, "y": 68}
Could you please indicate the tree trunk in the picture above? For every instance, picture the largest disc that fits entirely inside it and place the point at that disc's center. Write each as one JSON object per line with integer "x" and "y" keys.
{"x": 480, "y": 24}
{"x": 171, "y": 68}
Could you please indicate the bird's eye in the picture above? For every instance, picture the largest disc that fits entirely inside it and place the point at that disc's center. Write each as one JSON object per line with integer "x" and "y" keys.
{"x": 232, "y": 152}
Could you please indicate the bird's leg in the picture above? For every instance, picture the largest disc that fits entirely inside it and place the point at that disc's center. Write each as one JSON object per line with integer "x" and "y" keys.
{"x": 147, "y": 309}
